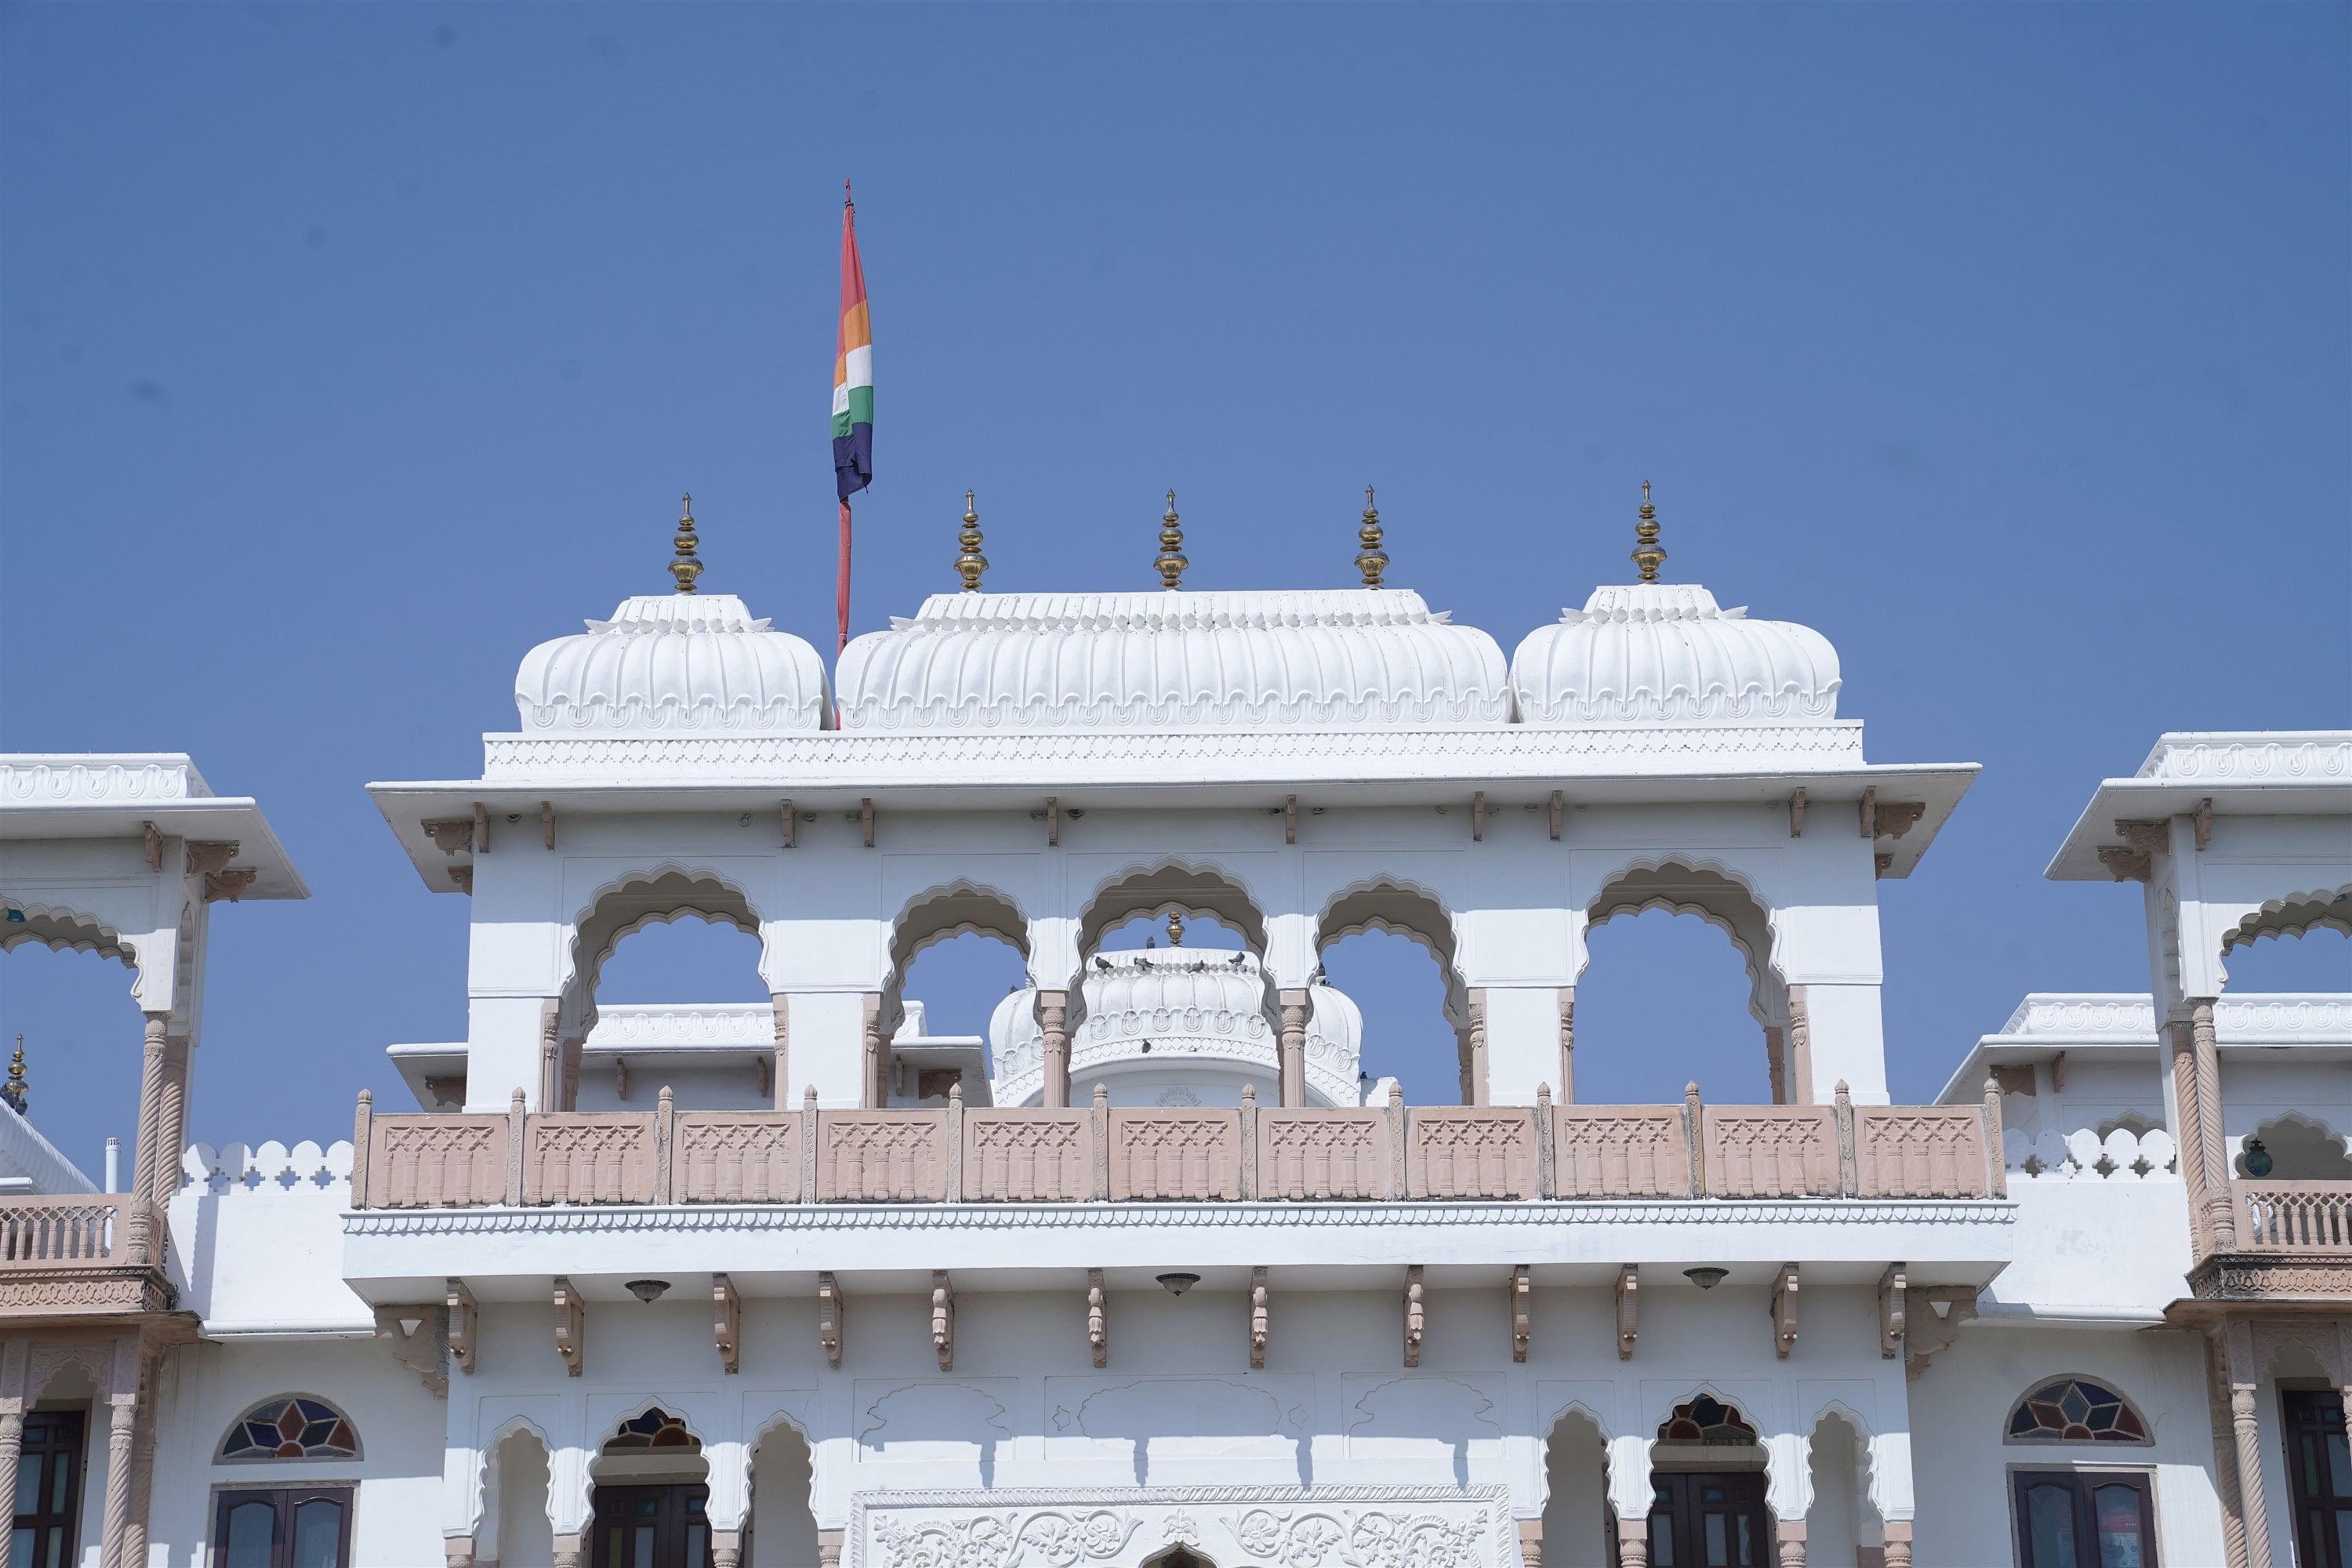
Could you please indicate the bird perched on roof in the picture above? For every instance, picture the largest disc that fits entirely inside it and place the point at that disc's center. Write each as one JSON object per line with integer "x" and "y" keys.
{"x": 1101, "y": 963}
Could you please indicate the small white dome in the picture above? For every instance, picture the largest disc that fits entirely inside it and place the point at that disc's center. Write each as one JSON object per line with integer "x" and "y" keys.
{"x": 1176, "y": 1010}
{"x": 673, "y": 661}
{"x": 1184, "y": 660}
{"x": 1660, "y": 652}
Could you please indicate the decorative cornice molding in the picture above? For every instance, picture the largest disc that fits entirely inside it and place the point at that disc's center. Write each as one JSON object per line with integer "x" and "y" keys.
{"x": 2320, "y": 757}
{"x": 2317, "y": 1015}
{"x": 79, "y": 781}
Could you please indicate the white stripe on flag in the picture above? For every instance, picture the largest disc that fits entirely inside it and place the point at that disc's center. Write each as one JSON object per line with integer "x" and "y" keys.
{"x": 858, "y": 367}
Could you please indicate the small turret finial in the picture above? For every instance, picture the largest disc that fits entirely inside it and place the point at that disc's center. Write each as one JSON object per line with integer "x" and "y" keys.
{"x": 1175, "y": 927}
{"x": 13, "y": 1093}
{"x": 1648, "y": 554}
{"x": 1171, "y": 562}
{"x": 683, "y": 565}
{"x": 1372, "y": 560}
{"x": 971, "y": 563}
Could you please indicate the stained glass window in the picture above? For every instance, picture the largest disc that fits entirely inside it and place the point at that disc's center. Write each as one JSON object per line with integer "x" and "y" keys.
{"x": 291, "y": 1427}
{"x": 654, "y": 1429}
{"x": 1706, "y": 1420}
{"x": 2073, "y": 1410}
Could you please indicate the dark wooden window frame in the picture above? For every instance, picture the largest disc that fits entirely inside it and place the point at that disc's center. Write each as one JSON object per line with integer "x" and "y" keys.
{"x": 286, "y": 1497}
{"x": 2311, "y": 1553}
{"x": 76, "y": 1460}
{"x": 2084, "y": 1477}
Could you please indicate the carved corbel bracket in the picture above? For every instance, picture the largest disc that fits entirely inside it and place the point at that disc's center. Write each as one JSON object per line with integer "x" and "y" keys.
{"x": 865, "y": 819}
{"x": 790, "y": 826}
{"x": 152, "y": 846}
{"x": 2014, "y": 1078}
{"x": 1784, "y": 1310}
{"x": 727, "y": 1322}
{"x": 481, "y": 828}
{"x": 546, "y": 822}
{"x": 829, "y": 1308}
{"x": 1417, "y": 1315}
{"x": 1522, "y": 1325}
{"x": 943, "y": 1319}
{"x": 2150, "y": 838}
{"x": 1478, "y": 816}
{"x": 1898, "y": 817}
{"x": 570, "y": 1326}
{"x": 2202, "y": 821}
{"x": 464, "y": 1318}
{"x": 208, "y": 856}
{"x": 1290, "y": 819}
{"x": 417, "y": 1337}
{"x": 2124, "y": 863}
{"x": 1870, "y": 812}
{"x": 1258, "y": 1318}
{"x": 1797, "y": 814}
{"x": 1928, "y": 1330}
{"x": 230, "y": 885}
{"x": 1893, "y": 1287}
{"x": 450, "y": 835}
{"x": 1629, "y": 1307}
{"x": 1558, "y": 809}
{"x": 1097, "y": 1319}
{"x": 462, "y": 879}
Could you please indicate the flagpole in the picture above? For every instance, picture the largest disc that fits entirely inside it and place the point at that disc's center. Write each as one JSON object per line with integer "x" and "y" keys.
{"x": 841, "y": 591}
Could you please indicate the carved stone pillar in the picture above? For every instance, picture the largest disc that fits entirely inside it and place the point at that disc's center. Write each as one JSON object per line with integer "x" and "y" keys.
{"x": 551, "y": 1054}
{"x": 571, "y": 1551}
{"x": 1568, "y": 1044}
{"x": 150, "y": 1105}
{"x": 1898, "y": 1544}
{"x": 12, "y": 1444}
{"x": 1776, "y": 1063}
{"x": 143, "y": 1475}
{"x": 1474, "y": 1049}
{"x": 1293, "y": 1057}
{"x": 172, "y": 1135}
{"x": 1053, "y": 1020}
{"x": 726, "y": 1548}
{"x": 1530, "y": 1544}
{"x": 122, "y": 1419}
{"x": 876, "y": 1054}
{"x": 2220, "y": 1212}
{"x": 2225, "y": 1448}
{"x": 2188, "y": 1130}
{"x": 1791, "y": 1533}
{"x": 2246, "y": 1374}
{"x": 779, "y": 1080}
{"x": 1800, "y": 1049}
{"x": 1633, "y": 1542}
{"x": 458, "y": 1551}
{"x": 828, "y": 1549}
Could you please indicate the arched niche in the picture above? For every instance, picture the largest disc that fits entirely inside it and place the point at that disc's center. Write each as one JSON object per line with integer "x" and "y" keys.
{"x": 2299, "y": 1148}
{"x": 780, "y": 1480}
{"x": 1580, "y": 1527}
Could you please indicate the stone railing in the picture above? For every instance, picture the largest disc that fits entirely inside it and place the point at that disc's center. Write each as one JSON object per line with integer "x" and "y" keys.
{"x": 44, "y": 1233}
{"x": 1100, "y": 1154}
{"x": 2306, "y": 1218}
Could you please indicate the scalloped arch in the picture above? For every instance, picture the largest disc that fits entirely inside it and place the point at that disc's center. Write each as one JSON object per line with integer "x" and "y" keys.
{"x": 1388, "y": 904}
{"x": 2296, "y": 914}
{"x": 1197, "y": 888}
{"x": 634, "y": 1406}
{"x": 485, "y": 1468}
{"x": 593, "y": 943}
{"x": 799, "y": 1429}
{"x": 1756, "y": 946}
{"x": 61, "y": 928}
{"x": 941, "y": 913}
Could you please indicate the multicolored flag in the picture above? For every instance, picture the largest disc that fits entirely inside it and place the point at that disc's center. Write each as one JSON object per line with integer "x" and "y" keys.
{"x": 853, "y": 393}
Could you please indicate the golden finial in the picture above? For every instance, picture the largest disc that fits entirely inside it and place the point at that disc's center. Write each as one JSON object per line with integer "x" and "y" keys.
{"x": 971, "y": 563}
{"x": 1175, "y": 927}
{"x": 1171, "y": 562}
{"x": 14, "y": 1093}
{"x": 1647, "y": 552}
{"x": 1372, "y": 560}
{"x": 683, "y": 565}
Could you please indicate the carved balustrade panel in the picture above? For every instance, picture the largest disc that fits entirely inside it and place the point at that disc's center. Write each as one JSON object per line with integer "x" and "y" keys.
{"x": 1342, "y": 1153}
{"x": 1920, "y": 1151}
{"x": 1771, "y": 1152}
{"x": 2307, "y": 1219}
{"x": 735, "y": 1157}
{"x": 1466, "y": 1152}
{"x": 435, "y": 1161}
{"x": 40, "y": 1232}
{"x": 575, "y": 1157}
{"x": 1028, "y": 1156}
{"x": 1186, "y": 1154}
{"x": 1621, "y": 1151}
{"x": 878, "y": 1156}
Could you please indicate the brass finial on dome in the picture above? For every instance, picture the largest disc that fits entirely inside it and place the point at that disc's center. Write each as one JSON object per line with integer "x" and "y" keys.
{"x": 683, "y": 565}
{"x": 1372, "y": 560}
{"x": 1648, "y": 554}
{"x": 1170, "y": 563}
{"x": 1175, "y": 927}
{"x": 13, "y": 1093}
{"x": 971, "y": 563}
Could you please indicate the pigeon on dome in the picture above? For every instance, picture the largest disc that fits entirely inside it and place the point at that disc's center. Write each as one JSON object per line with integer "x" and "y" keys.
{"x": 685, "y": 660}
{"x": 1650, "y": 652}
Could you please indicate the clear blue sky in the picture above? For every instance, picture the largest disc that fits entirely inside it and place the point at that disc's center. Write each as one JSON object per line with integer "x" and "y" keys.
{"x": 346, "y": 352}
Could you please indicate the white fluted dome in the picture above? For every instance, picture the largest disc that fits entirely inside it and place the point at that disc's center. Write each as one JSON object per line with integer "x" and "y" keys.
{"x": 1327, "y": 657}
{"x": 672, "y": 662}
{"x": 1665, "y": 653}
{"x": 1194, "y": 1020}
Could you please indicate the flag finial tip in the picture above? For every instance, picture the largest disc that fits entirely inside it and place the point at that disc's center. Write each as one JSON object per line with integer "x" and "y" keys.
{"x": 684, "y": 566}
{"x": 1171, "y": 563}
{"x": 1372, "y": 560}
{"x": 971, "y": 563}
{"x": 1648, "y": 554}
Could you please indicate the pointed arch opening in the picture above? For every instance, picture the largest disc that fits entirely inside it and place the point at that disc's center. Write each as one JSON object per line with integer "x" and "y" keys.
{"x": 954, "y": 950}
{"x": 782, "y": 1528}
{"x": 66, "y": 997}
{"x": 1580, "y": 1528}
{"x": 1387, "y": 967}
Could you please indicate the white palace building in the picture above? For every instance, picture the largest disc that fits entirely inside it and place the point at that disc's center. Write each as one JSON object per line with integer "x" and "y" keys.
{"x": 1156, "y": 1276}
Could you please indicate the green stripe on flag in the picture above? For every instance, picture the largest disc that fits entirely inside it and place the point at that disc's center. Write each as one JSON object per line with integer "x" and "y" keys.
{"x": 861, "y": 410}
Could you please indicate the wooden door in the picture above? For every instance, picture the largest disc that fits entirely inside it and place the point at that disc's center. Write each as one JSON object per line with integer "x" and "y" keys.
{"x": 651, "y": 1527}
{"x": 2085, "y": 1519}
{"x": 2319, "y": 1477}
{"x": 1704, "y": 1518}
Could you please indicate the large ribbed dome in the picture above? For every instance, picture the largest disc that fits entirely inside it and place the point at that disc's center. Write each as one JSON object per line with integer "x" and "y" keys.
{"x": 1173, "y": 660}
{"x": 671, "y": 662}
{"x": 1660, "y": 652}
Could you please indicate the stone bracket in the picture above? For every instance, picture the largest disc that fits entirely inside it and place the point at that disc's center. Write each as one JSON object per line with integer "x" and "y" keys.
{"x": 1098, "y": 1320}
{"x": 570, "y": 1325}
{"x": 1522, "y": 1292}
{"x": 1892, "y": 1286}
{"x": 1784, "y": 1310}
{"x": 1257, "y": 1319}
{"x": 829, "y": 1308}
{"x": 1628, "y": 1306}
{"x": 727, "y": 1322}
{"x": 1417, "y": 1315}
{"x": 418, "y": 1336}
{"x": 463, "y": 1316}
{"x": 943, "y": 1319}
